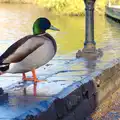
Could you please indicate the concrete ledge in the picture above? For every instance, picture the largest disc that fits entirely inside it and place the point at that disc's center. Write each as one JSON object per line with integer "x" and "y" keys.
{"x": 80, "y": 99}
{"x": 70, "y": 93}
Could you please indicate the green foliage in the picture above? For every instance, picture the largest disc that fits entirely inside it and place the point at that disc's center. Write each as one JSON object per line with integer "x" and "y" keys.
{"x": 66, "y": 7}
{"x": 72, "y": 7}
{"x": 17, "y": 1}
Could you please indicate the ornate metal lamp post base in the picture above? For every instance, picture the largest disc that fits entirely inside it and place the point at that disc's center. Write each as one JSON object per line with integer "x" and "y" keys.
{"x": 89, "y": 51}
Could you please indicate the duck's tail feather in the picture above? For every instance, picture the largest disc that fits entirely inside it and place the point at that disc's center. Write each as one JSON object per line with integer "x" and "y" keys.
{"x": 3, "y": 67}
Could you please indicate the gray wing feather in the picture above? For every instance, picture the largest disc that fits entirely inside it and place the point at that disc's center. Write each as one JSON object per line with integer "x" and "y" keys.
{"x": 25, "y": 49}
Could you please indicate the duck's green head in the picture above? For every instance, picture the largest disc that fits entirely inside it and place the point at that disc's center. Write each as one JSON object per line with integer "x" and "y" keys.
{"x": 41, "y": 25}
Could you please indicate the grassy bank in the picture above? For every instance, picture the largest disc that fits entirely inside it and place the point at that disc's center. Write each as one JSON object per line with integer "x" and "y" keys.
{"x": 17, "y": 1}
{"x": 69, "y": 7}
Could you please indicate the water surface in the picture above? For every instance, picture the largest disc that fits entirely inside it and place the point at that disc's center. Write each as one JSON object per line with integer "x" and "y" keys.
{"x": 17, "y": 20}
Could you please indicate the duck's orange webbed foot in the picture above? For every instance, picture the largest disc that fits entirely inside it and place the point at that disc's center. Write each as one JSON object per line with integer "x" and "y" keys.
{"x": 31, "y": 79}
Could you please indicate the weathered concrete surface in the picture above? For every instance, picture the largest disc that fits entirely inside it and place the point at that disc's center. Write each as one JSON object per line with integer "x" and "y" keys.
{"x": 70, "y": 91}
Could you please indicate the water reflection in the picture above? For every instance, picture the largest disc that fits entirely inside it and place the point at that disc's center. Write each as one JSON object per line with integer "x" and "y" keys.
{"x": 91, "y": 65}
{"x": 34, "y": 90}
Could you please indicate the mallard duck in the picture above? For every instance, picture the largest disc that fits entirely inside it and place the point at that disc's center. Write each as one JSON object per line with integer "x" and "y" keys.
{"x": 30, "y": 52}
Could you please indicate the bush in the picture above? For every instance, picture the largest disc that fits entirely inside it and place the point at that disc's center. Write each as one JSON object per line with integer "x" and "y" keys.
{"x": 72, "y": 7}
